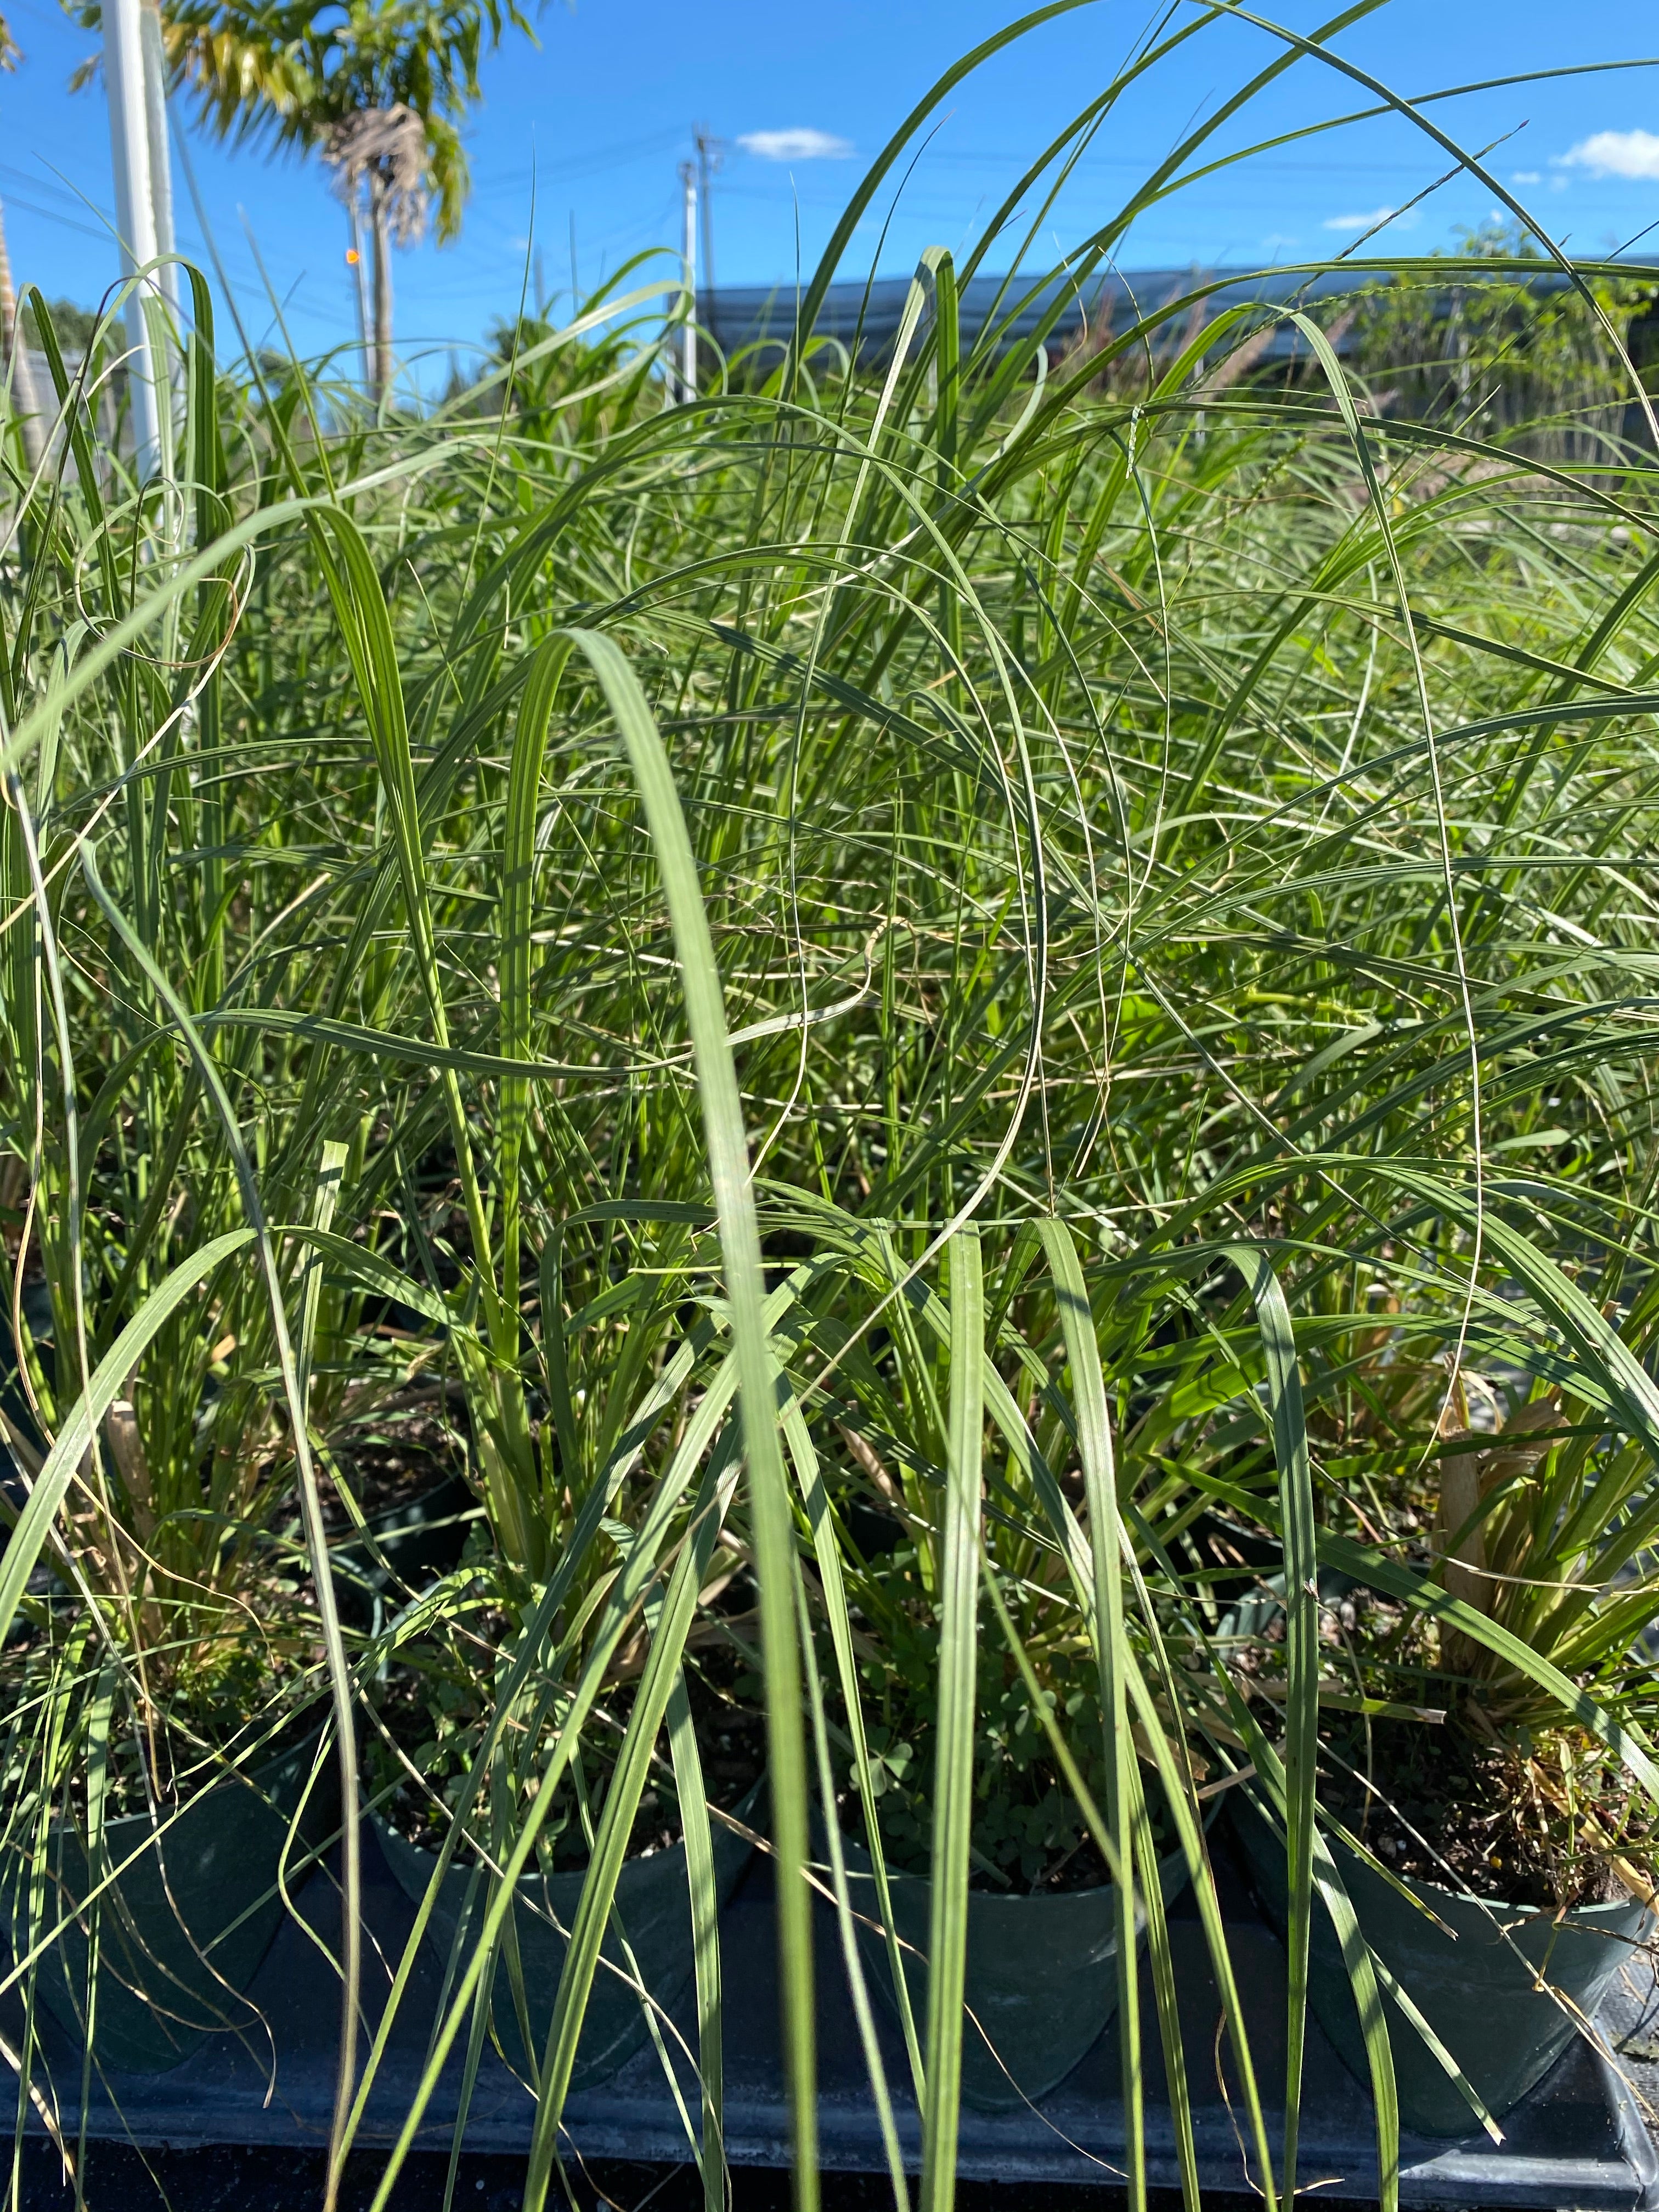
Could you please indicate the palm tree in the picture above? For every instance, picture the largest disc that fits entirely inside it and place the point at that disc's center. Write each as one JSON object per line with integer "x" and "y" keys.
{"x": 389, "y": 149}
{"x": 376, "y": 86}
{"x": 14, "y": 341}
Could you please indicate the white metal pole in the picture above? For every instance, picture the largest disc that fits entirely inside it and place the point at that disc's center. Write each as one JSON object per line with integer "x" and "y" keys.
{"x": 688, "y": 330}
{"x": 156, "y": 134}
{"x": 160, "y": 193}
{"x": 134, "y": 214}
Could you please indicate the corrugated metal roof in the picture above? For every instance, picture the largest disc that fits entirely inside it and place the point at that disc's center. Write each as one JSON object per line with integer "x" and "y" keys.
{"x": 865, "y": 318}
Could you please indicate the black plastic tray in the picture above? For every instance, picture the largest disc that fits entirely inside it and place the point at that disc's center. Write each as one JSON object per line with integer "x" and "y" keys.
{"x": 1580, "y": 2139}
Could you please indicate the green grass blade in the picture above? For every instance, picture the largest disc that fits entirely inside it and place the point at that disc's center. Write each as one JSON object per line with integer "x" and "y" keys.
{"x": 663, "y": 1671}
{"x": 525, "y": 770}
{"x": 958, "y": 1606}
{"x": 1094, "y": 1437}
{"x": 1289, "y": 1433}
{"x": 727, "y": 1151}
{"x": 826, "y": 1556}
{"x": 705, "y": 1939}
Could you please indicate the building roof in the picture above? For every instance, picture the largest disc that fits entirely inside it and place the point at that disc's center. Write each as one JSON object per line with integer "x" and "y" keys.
{"x": 864, "y": 319}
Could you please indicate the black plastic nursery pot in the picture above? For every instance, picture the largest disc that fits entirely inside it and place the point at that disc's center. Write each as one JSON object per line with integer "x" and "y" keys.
{"x": 651, "y": 1916}
{"x": 1505, "y": 1987}
{"x": 1041, "y": 1974}
{"x": 182, "y": 1930}
{"x": 1577, "y": 2139}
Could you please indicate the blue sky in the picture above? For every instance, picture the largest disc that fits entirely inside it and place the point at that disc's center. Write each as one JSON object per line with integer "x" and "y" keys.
{"x": 602, "y": 112}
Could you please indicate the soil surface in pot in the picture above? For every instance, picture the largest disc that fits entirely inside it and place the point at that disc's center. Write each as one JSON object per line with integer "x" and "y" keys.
{"x": 1452, "y": 1800}
{"x": 1472, "y": 1815}
{"x": 392, "y": 1459}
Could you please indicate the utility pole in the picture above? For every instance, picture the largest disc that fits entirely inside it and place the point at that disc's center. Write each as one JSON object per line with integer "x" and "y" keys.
{"x": 134, "y": 215}
{"x": 710, "y": 156}
{"x": 689, "y": 328}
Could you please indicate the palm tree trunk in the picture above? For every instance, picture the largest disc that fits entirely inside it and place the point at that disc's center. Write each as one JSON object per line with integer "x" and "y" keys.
{"x": 380, "y": 371}
{"x": 14, "y": 356}
{"x": 360, "y": 283}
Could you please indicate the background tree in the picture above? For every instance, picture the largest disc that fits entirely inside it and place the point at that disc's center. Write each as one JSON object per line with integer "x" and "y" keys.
{"x": 1505, "y": 354}
{"x": 377, "y": 88}
{"x": 391, "y": 152}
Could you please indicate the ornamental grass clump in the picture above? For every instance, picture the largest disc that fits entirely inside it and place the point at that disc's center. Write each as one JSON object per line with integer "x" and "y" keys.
{"x": 930, "y": 1017}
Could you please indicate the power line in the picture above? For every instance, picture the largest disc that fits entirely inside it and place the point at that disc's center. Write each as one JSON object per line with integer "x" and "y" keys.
{"x": 1143, "y": 164}
{"x": 15, "y": 205}
{"x": 615, "y": 156}
{"x": 33, "y": 180}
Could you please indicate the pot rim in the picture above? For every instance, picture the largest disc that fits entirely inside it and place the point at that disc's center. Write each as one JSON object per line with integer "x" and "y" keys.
{"x": 532, "y": 1877}
{"x": 1568, "y": 1916}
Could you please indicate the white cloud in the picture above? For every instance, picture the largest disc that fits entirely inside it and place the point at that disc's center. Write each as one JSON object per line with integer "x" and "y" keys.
{"x": 1527, "y": 177}
{"x": 1352, "y": 225}
{"x": 795, "y": 145}
{"x": 1632, "y": 154}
